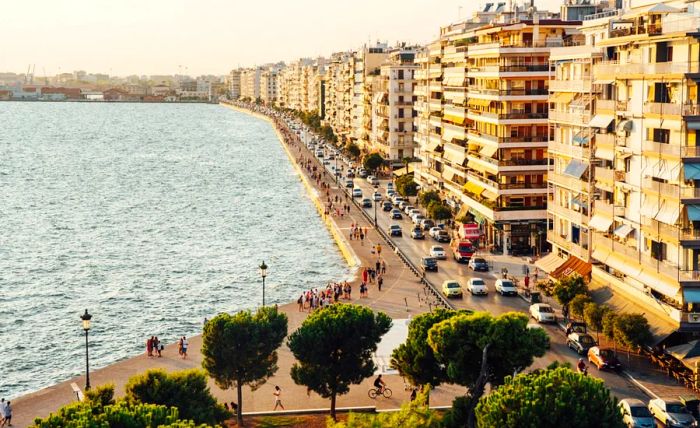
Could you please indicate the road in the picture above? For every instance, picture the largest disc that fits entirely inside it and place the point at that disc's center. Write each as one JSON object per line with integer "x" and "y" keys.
{"x": 493, "y": 303}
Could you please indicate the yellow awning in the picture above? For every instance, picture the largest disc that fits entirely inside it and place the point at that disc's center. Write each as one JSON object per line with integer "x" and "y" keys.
{"x": 491, "y": 196}
{"x": 562, "y": 97}
{"x": 456, "y": 119}
{"x": 478, "y": 102}
{"x": 473, "y": 187}
{"x": 488, "y": 151}
{"x": 477, "y": 166}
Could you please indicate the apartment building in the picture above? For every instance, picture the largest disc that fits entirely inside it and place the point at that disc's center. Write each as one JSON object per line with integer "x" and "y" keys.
{"x": 365, "y": 67}
{"x": 391, "y": 131}
{"x": 339, "y": 83}
{"x": 268, "y": 85}
{"x": 250, "y": 83}
{"x": 234, "y": 84}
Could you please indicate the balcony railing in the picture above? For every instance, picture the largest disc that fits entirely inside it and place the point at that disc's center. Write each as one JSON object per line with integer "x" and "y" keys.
{"x": 511, "y": 68}
{"x": 511, "y": 115}
{"x": 605, "y": 139}
{"x": 570, "y": 150}
{"x": 614, "y": 68}
{"x": 609, "y": 209}
{"x": 509, "y": 162}
{"x": 661, "y": 148}
{"x": 605, "y": 105}
{"x": 568, "y": 182}
{"x": 663, "y": 108}
{"x": 604, "y": 174}
{"x": 501, "y": 92}
{"x": 548, "y": 43}
{"x": 570, "y": 85}
{"x": 581, "y": 118}
{"x": 575, "y": 216}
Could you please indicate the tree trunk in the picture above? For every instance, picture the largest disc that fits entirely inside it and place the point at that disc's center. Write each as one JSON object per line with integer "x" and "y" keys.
{"x": 239, "y": 412}
{"x": 333, "y": 407}
{"x": 478, "y": 390}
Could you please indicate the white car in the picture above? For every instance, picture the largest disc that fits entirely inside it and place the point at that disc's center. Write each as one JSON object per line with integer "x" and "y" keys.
{"x": 389, "y": 185}
{"x": 635, "y": 414}
{"x": 356, "y": 193}
{"x": 433, "y": 231}
{"x": 377, "y": 196}
{"x": 438, "y": 252}
{"x": 506, "y": 287}
{"x": 542, "y": 312}
{"x": 408, "y": 208}
{"x": 672, "y": 413}
{"x": 374, "y": 181}
{"x": 417, "y": 218}
{"x": 477, "y": 286}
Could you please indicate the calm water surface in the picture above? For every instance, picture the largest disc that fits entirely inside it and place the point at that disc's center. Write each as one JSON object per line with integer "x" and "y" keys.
{"x": 153, "y": 217}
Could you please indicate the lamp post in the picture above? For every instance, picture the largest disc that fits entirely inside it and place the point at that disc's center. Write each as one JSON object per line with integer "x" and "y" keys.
{"x": 263, "y": 274}
{"x": 375, "y": 213}
{"x": 86, "y": 317}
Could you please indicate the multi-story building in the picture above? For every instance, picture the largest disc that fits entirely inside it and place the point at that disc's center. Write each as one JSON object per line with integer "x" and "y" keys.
{"x": 339, "y": 84}
{"x": 234, "y": 84}
{"x": 365, "y": 66}
{"x": 268, "y": 85}
{"x": 392, "y": 106}
{"x": 250, "y": 83}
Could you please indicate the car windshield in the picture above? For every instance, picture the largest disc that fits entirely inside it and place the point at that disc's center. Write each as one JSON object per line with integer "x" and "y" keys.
{"x": 479, "y": 260}
{"x": 607, "y": 354}
{"x": 640, "y": 412}
{"x": 464, "y": 247}
{"x": 429, "y": 260}
{"x": 675, "y": 408}
{"x": 586, "y": 340}
{"x": 452, "y": 285}
{"x": 437, "y": 249}
{"x": 506, "y": 284}
{"x": 395, "y": 226}
{"x": 477, "y": 282}
{"x": 546, "y": 309}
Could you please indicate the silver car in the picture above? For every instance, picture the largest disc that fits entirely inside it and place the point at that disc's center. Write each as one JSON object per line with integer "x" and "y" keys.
{"x": 635, "y": 414}
{"x": 672, "y": 413}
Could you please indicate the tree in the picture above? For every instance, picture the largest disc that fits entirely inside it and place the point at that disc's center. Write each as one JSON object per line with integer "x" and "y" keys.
{"x": 632, "y": 330}
{"x": 415, "y": 414}
{"x": 241, "y": 349}
{"x": 406, "y": 186}
{"x": 187, "y": 390}
{"x": 593, "y": 314}
{"x": 415, "y": 359}
{"x": 373, "y": 162}
{"x": 439, "y": 211}
{"x": 550, "y": 398}
{"x": 478, "y": 348}
{"x": 577, "y": 305}
{"x": 609, "y": 321}
{"x": 95, "y": 412}
{"x": 334, "y": 347}
{"x": 428, "y": 196}
{"x": 565, "y": 289}
{"x": 352, "y": 149}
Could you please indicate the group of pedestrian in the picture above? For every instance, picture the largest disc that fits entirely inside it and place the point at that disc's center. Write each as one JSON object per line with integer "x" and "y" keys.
{"x": 358, "y": 233}
{"x": 154, "y": 347}
{"x": 5, "y": 413}
{"x": 315, "y": 299}
{"x": 182, "y": 345}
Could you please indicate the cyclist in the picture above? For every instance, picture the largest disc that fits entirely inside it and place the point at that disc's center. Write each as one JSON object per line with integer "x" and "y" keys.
{"x": 379, "y": 384}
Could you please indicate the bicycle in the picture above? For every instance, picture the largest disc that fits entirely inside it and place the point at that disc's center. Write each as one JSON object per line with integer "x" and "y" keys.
{"x": 374, "y": 393}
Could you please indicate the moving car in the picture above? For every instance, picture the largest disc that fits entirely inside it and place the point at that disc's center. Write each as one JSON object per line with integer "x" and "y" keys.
{"x": 396, "y": 214}
{"x": 377, "y": 196}
{"x": 462, "y": 250}
{"x": 373, "y": 180}
{"x": 635, "y": 414}
{"x": 349, "y": 183}
{"x": 442, "y": 236}
{"x": 433, "y": 231}
{"x": 478, "y": 264}
{"x": 451, "y": 288}
{"x": 426, "y": 224}
{"x": 580, "y": 342}
{"x": 408, "y": 208}
{"x": 417, "y": 218}
{"x": 390, "y": 194}
{"x": 363, "y": 173}
{"x": 350, "y": 174}
{"x": 438, "y": 252}
{"x": 319, "y": 153}
{"x": 542, "y": 312}
{"x": 386, "y": 206}
{"x": 603, "y": 359}
{"x": 506, "y": 287}
{"x": 402, "y": 205}
{"x": 429, "y": 264}
{"x": 417, "y": 233}
{"x": 477, "y": 286}
{"x": 390, "y": 186}
{"x": 671, "y": 412}
{"x": 366, "y": 203}
{"x": 356, "y": 193}
{"x": 395, "y": 230}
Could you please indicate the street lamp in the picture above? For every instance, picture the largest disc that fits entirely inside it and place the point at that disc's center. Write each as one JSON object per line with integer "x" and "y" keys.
{"x": 375, "y": 214}
{"x": 86, "y": 317}
{"x": 263, "y": 274}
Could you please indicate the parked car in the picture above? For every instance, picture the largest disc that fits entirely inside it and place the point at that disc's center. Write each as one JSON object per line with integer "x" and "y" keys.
{"x": 478, "y": 264}
{"x": 477, "y": 286}
{"x": 580, "y": 342}
{"x": 442, "y": 236}
{"x": 366, "y": 203}
{"x": 671, "y": 412}
{"x": 635, "y": 414}
{"x": 451, "y": 288}
{"x": 363, "y": 173}
{"x": 396, "y": 214}
{"x": 390, "y": 185}
{"x": 402, "y": 205}
{"x": 603, "y": 359}
{"x": 376, "y": 196}
{"x": 426, "y": 224}
{"x": 319, "y": 154}
{"x": 390, "y": 194}
{"x": 349, "y": 183}
{"x": 395, "y": 230}
{"x": 374, "y": 181}
{"x": 429, "y": 264}
{"x": 386, "y": 206}
{"x": 397, "y": 199}
{"x": 506, "y": 287}
{"x": 417, "y": 233}
{"x": 433, "y": 231}
{"x": 408, "y": 208}
{"x": 356, "y": 193}
{"x": 542, "y": 312}
{"x": 438, "y": 252}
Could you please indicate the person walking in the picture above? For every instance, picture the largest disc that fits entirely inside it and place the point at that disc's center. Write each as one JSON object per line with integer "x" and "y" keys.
{"x": 383, "y": 267}
{"x": 179, "y": 347}
{"x": 184, "y": 347}
{"x": 278, "y": 399}
{"x": 380, "y": 281}
{"x": 362, "y": 238}
{"x": 7, "y": 418}
{"x": 159, "y": 346}
{"x": 149, "y": 346}
{"x": 2, "y": 411}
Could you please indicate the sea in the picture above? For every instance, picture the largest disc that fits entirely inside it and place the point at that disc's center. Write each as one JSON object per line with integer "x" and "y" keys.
{"x": 152, "y": 217}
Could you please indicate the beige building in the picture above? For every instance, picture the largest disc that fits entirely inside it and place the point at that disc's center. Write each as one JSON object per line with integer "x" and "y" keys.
{"x": 268, "y": 85}
{"x": 250, "y": 83}
{"x": 234, "y": 84}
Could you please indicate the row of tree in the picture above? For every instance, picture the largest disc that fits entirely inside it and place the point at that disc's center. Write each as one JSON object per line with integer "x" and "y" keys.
{"x": 434, "y": 206}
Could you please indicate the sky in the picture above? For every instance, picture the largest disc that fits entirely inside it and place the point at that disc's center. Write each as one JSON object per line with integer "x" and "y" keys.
{"x": 196, "y": 37}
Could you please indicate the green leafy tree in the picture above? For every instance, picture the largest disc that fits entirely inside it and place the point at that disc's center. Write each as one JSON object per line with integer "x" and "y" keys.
{"x": 593, "y": 314}
{"x": 373, "y": 162}
{"x": 415, "y": 414}
{"x": 352, "y": 150}
{"x": 328, "y": 134}
{"x": 565, "y": 289}
{"x": 609, "y": 321}
{"x": 241, "y": 349}
{"x": 334, "y": 347}
{"x": 439, "y": 211}
{"x": 550, "y": 398}
{"x": 187, "y": 390}
{"x": 577, "y": 305}
{"x": 478, "y": 348}
{"x": 406, "y": 186}
{"x": 96, "y": 412}
{"x": 632, "y": 331}
{"x": 426, "y": 197}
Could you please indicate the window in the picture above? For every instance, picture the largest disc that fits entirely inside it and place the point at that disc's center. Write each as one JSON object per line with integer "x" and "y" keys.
{"x": 658, "y": 250}
{"x": 516, "y": 202}
{"x": 660, "y": 135}
{"x": 400, "y": 74}
{"x": 401, "y": 113}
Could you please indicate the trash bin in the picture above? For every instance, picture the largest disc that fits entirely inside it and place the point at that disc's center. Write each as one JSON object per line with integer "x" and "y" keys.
{"x": 535, "y": 297}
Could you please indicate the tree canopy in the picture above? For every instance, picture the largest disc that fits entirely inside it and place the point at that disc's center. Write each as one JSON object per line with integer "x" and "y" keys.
{"x": 406, "y": 186}
{"x": 438, "y": 211}
{"x": 565, "y": 289}
{"x": 352, "y": 150}
{"x": 577, "y": 305}
{"x": 241, "y": 349}
{"x": 426, "y": 197}
{"x": 373, "y": 162}
{"x": 334, "y": 347}
{"x": 593, "y": 314}
{"x": 632, "y": 330}
{"x": 550, "y": 398}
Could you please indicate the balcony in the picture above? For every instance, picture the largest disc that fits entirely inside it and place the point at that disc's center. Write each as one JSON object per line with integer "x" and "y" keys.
{"x": 570, "y": 85}
{"x": 605, "y": 139}
{"x": 604, "y": 174}
{"x": 579, "y": 118}
{"x": 573, "y": 216}
{"x": 608, "y": 209}
{"x": 505, "y": 163}
{"x": 476, "y": 90}
{"x": 508, "y": 116}
{"x": 663, "y": 108}
{"x": 524, "y": 141}
{"x": 655, "y": 228}
{"x": 511, "y": 68}
{"x": 608, "y": 105}
{"x": 563, "y": 242}
{"x": 568, "y": 182}
{"x": 570, "y": 150}
{"x": 614, "y": 68}
{"x": 654, "y": 148}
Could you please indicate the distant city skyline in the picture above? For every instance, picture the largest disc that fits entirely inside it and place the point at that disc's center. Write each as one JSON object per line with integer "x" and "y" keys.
{"x": 209, "y": 36}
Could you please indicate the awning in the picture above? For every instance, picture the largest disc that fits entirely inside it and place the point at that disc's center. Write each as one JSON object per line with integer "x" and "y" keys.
{"x": 562, "y": 97}
{"x": 550, "y": 262}
{"x": 473, "y": 187}
{"x": 625, "y": 125}
{"x": 666, "y": 169}
{"x": 575, "y": 168}
{"x": 477, "y": 166}
{"x": 403, "y": 171}
{"x": 600, "y": 254}
{"x": 605, "y": 153}
{"x": 571, "y": 266}
{"x": 601, "y": 121}
{"x": 488, "y": 151}
{"x": 478, "y": 102}
{"x": 622, "y": 265}
{"x": 623, "y": 230}
{"x": 603, "y": 81}
{"x": 650, "y": 207}
{"x": 668, "y": 213}
{"x": 693, "y": 212}
{"x": 576, "y": 201}
{"x": 691, "y": 171}
{"x": 491, "y": 196}
{"x": 454, "y": 153}
{"x": 658, "y": 282}
{"x": 694, "y": 125}
{"x": 691, "y": 295}
{"x": 452, "y": 118}
{"x": 600, "y": 223}
{"x": 431, "y": 146}
{"x": 454, "y": 81}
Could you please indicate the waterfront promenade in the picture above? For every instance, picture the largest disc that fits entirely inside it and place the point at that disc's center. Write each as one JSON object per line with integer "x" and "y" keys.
{"x": 398, "y": 298}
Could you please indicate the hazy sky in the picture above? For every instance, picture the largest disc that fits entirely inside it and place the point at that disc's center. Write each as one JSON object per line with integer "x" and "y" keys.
{"x": 122, "y": 37}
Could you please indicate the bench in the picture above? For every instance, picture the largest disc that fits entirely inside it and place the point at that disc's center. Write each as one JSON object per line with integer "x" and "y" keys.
{"x": 78, "y": 392}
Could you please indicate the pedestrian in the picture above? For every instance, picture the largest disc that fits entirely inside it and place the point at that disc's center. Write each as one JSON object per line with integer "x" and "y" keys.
{"x": 278, "y": 399}
{"x": 184, "y": 347}
{"x": 380, "y": 281}
{"x": 379, "y": 251}
{"x": 179, "y": 347}
{"x": 527, "y": 281}
{"x": 157, "y": 346}
{"x": 383, "y": 267}
{"x": 378, "y": 266}
{"x": 362, "y": 239}
{"x": 149, "y": 346}
{"x": 7, "y": 418}
{"x": 2, "y": 411}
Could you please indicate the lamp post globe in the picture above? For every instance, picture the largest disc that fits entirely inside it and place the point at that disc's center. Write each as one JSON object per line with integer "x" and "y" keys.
{"x": 86, "y": 317}
{"x": 263, "y": 274}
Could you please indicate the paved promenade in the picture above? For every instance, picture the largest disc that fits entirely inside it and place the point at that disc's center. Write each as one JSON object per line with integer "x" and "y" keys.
{"x": 398, "y": 298}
